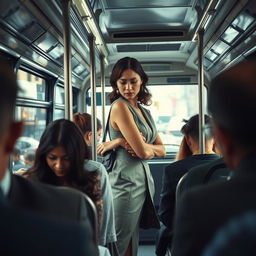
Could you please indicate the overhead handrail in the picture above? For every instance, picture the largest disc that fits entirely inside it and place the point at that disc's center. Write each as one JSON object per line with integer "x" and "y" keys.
{"x": 205, "y": 17}
{"x": 91, "y": 24}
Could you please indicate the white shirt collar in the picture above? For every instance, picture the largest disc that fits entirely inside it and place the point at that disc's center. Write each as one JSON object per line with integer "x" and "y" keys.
{"x": 5, "y": 183}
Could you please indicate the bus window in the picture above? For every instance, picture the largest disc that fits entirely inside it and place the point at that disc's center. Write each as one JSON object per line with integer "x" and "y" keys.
{"x": 108, "y": 89}
{"x": 34, "y": 124}
{"x": 58, "y": 114}
{"x": 59, "y": 102}
{"x": 32, "y": 87}
{"x": 170, "y": 105}
{"x": 59, "y": 95}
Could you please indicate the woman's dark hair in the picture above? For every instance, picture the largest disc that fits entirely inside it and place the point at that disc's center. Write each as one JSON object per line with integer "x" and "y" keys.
{"x": 84, "y": 123}
{"x": 64, "y": 133}
{"x": 129, "y": 63}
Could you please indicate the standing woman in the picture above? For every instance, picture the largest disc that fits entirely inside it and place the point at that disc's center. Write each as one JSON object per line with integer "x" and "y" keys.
{"x": 131, "y": 180}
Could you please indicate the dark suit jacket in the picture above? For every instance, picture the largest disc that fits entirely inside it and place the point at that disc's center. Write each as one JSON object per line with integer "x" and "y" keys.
{"x": 202, "y": 211}
{"x": 63, "y": 202}
{"x": 27, "y": 233}
{"x": 171, "y": 177}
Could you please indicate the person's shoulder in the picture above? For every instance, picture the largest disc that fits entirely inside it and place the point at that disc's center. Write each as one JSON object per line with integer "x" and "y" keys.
{"x": 173, "y": 171}
{"x": 42, "y": 189}
{"x": 178, "y": 164}
{"x": 80, "y": 243}
{"x": 205, "y": 167}
{"x": 172, "y": 167}
{"x": 119, "y": 104}
{"x": 91, "y": 165}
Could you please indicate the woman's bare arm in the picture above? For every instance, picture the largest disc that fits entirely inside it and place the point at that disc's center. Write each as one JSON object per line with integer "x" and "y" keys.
{"x": 122, "y": 119}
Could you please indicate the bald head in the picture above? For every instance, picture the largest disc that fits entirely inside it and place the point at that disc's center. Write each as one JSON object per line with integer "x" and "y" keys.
{"x": 232, "y": 102}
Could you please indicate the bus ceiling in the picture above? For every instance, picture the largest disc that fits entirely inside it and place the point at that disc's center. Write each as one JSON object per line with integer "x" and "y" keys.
{"x": 153, "y": 31}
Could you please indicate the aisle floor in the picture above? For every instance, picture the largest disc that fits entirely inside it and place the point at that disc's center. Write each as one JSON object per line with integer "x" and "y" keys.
{"x": 146, "y": 250}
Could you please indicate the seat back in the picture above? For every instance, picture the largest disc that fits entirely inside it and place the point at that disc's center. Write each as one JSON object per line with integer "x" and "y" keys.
{"x": 92, "y": 214}
{"x": 217, "y": 172}
{"x": 180, "y": 187}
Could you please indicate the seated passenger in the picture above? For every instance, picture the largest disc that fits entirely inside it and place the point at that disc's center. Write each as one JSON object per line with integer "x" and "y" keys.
{"x": 23, "y": 231}
{"x": 188, "y": 157}
{"x": 202, "y": 211}
{"x": 17, "y": 163}
{"x": 237, "y": 237}
{"x": 27, "y": 233}
{"x": 107, "y": 228}
{"x": 60, "y": 160}
{"x": 84, "y": 123}
{"x": 29, "y": 159}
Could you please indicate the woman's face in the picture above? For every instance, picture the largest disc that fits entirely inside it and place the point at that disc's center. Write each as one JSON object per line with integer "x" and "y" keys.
{"x": 88, "y": 137}
{"x": 129, "y": 84}
{"x": 58, "y": 161}
{"x": 98, "y": 135}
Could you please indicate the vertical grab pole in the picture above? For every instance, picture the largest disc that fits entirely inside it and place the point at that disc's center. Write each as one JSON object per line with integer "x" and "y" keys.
{"x": 200, "y": 36}
{"x": 93, "y": 96}
{"x": 67, "y": 60}
{"x": 102, "y": 81}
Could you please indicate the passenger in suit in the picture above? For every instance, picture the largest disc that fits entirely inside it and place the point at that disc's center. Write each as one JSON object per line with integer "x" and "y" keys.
{"x": 107, "y": 226}
{"x": 188, "y": 157}
{"x": 26, "y": 233}
{"x": 21, "y": 201}
{"x": 202, "y": 211}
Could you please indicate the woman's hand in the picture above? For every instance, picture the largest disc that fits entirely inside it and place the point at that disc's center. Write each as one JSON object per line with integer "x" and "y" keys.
{"x": 104, "y": 147}
{"x": 108, "y": 145}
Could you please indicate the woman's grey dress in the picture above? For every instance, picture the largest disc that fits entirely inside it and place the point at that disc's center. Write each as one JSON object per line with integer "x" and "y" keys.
{"x": 131, "y": 181}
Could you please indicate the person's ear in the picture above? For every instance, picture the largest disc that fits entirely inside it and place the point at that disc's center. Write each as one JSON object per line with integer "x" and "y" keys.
{"x": 188, "y": 140}
{"x": 87, "y": 138}
{"x": 90, "y": 135}
{"x": 15, "y": 131}
{"x": 226, "y": 145}
{"x": 216, "y": 147}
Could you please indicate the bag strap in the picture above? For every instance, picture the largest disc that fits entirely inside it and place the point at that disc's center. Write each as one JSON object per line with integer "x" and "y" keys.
{"x": 107, "y": 127}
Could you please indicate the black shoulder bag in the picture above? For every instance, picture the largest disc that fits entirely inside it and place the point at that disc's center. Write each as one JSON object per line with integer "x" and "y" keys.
{"x": 109, "y": 157}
